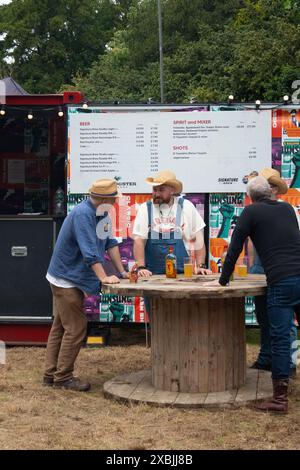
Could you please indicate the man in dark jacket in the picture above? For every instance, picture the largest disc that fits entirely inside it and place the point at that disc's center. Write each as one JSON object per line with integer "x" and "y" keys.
{"x": 273, "y": 229}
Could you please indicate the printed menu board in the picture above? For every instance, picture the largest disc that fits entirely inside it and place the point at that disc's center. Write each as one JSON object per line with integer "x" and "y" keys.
{"x": 209, "y": 152}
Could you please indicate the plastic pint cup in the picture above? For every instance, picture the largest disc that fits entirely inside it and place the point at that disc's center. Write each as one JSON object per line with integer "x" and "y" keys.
{"x": 188, "y": 267}
{"x": 241, "y": 270}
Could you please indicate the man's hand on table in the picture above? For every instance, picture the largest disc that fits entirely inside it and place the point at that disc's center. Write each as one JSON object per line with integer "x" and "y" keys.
{"x": 110, "y": 280}
{"x": 124, "y": 275}
{"x": 145, "y": 273}
{"x": 203, "y": 271}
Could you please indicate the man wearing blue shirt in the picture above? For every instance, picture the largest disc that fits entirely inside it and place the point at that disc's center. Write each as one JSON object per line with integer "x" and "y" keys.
{"x": 76, "y": 268}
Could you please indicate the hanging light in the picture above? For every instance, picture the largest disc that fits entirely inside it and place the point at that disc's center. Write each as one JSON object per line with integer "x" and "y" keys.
{"x": 286, "y": 99}
{"x": 60, "y": 112}
{"x": 30, "y": 115}
{"x": 2, "y": 111}
{"x": 257, "y": 104}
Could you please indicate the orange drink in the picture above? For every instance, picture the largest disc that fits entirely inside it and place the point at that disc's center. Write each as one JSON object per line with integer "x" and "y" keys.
{"x": 241, "y": 270}
{"x": 188, "y": 267}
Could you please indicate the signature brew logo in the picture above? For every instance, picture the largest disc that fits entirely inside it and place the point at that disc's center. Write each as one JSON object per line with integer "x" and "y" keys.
{"x": 228, "y": 181}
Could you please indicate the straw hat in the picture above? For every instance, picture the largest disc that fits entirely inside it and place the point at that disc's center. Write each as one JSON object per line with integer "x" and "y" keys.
{"x": 105, "y": 188}
{"x": 165, "y": 177}
{"x": 273, "y": 177}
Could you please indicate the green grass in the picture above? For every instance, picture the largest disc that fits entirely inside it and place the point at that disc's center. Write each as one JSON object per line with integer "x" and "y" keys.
{"x": 252, "y": 335}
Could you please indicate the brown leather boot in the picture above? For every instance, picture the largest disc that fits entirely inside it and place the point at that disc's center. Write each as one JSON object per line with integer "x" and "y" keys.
{"x": 279, "y": 402}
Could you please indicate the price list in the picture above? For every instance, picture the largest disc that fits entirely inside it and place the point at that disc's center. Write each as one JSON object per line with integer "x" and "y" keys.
{"x": 154, "y": 146}
{"x": 209, "y": 151}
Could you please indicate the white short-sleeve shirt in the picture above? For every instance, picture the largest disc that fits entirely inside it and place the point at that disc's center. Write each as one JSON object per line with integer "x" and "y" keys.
{"x": 164, "y": 220}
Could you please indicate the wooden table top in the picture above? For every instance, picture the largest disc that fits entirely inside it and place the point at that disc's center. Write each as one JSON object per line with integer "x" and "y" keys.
{"x": 193, "y": 288}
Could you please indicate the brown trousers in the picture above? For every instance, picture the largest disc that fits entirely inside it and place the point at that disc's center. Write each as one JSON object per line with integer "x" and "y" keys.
{"x": 67, "y": 333}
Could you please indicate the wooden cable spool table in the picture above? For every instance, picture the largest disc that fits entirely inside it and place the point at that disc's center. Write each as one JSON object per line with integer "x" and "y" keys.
{"x": 198, "y": 346}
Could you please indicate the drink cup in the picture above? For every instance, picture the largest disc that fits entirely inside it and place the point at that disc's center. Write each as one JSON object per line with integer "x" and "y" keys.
{"x": 241, "y": 270}
{"x": 188, "y": 267}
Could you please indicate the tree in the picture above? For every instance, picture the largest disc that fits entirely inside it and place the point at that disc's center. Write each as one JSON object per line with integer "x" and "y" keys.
{"x": 49, "y": 41}
{"x": 212, "y": 48}
{"x": 266, "y": 55}
{"x": 130, "y": 67}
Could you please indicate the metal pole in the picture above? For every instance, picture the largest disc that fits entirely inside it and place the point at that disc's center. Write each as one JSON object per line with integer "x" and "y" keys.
{"x": 161, "y": 59}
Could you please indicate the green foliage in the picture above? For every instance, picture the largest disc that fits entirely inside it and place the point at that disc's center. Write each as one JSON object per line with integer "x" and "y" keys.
{"x": 50, "y": 41}
{"x": 265, "y": 65}
{"x": 212, "y": 48}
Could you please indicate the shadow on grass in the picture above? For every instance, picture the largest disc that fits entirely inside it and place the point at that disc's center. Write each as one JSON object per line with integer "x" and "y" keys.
{"x": 252, "y": 335}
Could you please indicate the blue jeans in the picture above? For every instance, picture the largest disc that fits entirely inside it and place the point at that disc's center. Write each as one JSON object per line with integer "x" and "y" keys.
{"x": 282, "y": 297}
{"x": 265, "y": 356}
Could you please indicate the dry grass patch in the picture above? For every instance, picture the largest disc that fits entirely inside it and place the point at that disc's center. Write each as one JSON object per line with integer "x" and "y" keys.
{"x": 37, "y": 417}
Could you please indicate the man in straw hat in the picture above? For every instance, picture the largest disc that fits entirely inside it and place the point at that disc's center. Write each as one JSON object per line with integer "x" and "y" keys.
{"x": 264, "y": 360}
{"x": 76, "y": 268}
{"x": 164, "y": 221}
{"x": 274, "y": 231}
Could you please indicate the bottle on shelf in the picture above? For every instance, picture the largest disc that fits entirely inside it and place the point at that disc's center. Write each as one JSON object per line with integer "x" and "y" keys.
{"x": 171, "y": 264}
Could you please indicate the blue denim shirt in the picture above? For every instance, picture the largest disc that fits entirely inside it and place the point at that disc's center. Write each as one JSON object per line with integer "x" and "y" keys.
{"x": 78, "y": 248}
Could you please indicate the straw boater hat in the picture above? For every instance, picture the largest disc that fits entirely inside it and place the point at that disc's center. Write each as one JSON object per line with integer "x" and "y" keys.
{"x": 105, "y": 188}
{"x": 165, "y": 177}
{"x": 273, "y": 177}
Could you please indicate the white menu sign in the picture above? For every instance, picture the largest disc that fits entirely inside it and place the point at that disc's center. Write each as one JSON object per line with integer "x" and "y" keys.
{"x": 208, "y": 151}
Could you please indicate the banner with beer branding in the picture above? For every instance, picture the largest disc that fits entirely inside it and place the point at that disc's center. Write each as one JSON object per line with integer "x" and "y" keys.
{"x": 286, "y": 145}
{"x": 110, "y": 308}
